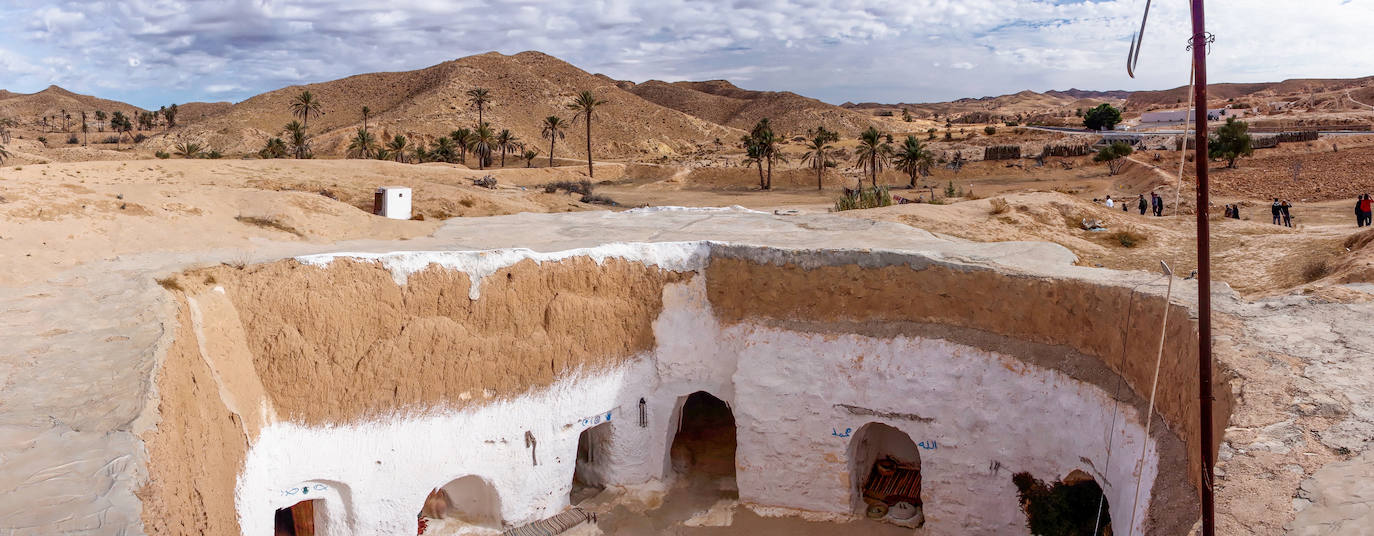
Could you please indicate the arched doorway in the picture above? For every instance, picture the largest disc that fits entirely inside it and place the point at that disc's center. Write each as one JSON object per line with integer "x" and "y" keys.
{"x": 296, "y": 520}
{"x": 469, "y": 501}
{"x": 885, "y": 475}
{"x": 590, "y": 462}
{"x": 705, "y": 440}
{"x": 1074, "y": 505}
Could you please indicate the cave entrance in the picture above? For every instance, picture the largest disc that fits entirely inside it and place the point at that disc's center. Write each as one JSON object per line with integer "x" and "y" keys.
{"x": 1074, "y": 505}
{"x": 297, "y": 520}
{"x": 590, "y": 463}
{"x": 885, "y": 475}
{"x": 461, "y": 504}
{"x": 705, "y": 441}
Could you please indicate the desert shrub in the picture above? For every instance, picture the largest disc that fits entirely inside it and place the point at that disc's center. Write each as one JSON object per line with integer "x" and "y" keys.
{"x": 138, "y": 138}
{"x": 1316, "y": 269}
{"x": 583, "y": 187}
{"x": 162, "y": 154}
{"x": 597, "y": 199}
{"x": 43, "y": 140}
{"x": 73, "y": 140}
{"x": 487, "y": 181}
{"x": 1012, "y": 123}
{"x": 111, "y": 139}
{"x": 864, "y": 198}
{"x": 1127, "y": 239}
{"x": 1000, "y": 206}
{"x": 274, "y": 223}
{"x": 949, "y": 190}
{"x": 1062, "y": 509}
{"x": 169, "y": 283}
{"x": 989, "y": 130}
{"x": 1114, "y": 155}
{"x": 467, "y": 202}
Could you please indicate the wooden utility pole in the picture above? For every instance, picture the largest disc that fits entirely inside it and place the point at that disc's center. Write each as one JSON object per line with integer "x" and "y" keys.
{"x": 1199, "y": 43}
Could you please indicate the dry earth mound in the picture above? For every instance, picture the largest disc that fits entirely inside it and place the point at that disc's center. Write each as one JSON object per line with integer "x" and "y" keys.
{"x": 1024, "y": 103}
{"x": 723, "y": 103}
{"x": 429, "y": 103}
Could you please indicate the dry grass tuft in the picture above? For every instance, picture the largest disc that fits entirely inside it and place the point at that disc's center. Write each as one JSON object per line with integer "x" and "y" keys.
{"x": 273, "y": 222}
{"x": 1000, "y": 206}
{"x": 1316, "y": 269}
{"x": 1127, "y": 239}
{"x": 170, "y": 283}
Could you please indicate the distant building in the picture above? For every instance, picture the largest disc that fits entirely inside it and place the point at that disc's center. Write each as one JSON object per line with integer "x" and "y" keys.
{"x": 1177, "y": 116}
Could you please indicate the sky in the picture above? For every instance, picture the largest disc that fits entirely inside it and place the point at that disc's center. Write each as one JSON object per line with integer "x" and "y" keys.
{"x": 155, "y": 52}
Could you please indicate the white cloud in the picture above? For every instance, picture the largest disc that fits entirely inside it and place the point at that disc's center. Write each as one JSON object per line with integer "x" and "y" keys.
{"x": 886, "y": 50}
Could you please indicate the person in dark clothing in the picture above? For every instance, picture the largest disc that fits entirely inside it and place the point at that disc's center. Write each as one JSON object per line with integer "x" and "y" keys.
{"x": 1141, "y": 204}
{"x": 1286, "y": 210}
{"x": 1157, "y": 202}
{"x": 1364, "y": 211}
{"x": 1228, "y": 212}
{"x": 1235, "y": 211}
{"x": 1276, "y": 209}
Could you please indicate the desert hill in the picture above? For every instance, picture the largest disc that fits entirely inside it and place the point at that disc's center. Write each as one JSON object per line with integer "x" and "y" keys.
{"x": 428, "y": 103}
{"x": 1307, "y": 92}
{"x": 1021, "y": 105}
{"x": 29, "y": 108}
{"x": 723, "y": 103}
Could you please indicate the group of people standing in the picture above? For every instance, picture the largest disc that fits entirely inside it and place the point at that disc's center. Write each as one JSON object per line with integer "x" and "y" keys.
{"x": 1282, "y": 212}
{"x": 1155, "y": 204}
{"x": 1363, "y": 206}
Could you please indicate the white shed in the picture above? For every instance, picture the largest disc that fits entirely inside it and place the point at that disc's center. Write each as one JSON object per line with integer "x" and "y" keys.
{"x": 392, "y": 202}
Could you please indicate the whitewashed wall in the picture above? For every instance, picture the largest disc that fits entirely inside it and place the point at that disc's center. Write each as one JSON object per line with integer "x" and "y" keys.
{"x": 989, "y": 415}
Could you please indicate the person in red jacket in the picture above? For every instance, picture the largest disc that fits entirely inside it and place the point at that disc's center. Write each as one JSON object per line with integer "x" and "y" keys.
{"x": 1364, "y": 209}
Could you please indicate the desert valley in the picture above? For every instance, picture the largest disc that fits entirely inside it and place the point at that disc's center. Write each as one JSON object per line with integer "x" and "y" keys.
{"x": 618, "y": 307}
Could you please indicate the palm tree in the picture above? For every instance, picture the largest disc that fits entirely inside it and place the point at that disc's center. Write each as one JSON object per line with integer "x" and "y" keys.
{"x": 363, "y": 144}
{"x": 85, "y": 129}
{"x": 584, "y": 106}
{"x": 398, "y": 146}
{"x": 384, "y": 154}
{"x": 100, "y": 120}
{"x": 275, "y": 148}
{"x": 188, "y": 150}
{"x": 304, "y": 106}
{"x": 64, "y": 117}
{"x": 462, "y": 139}
{"x": 483, "y": 144}
{"x": 817, "y": 154}
{"x": 529, "y": 156}
{"x": 873, "y": 153}
{"x": 366, "y": 112}
{"x": 443, "y": 150}
{"x": 296, "y": 137}
{"x": 5, "y": 125}
{"x": 753, "y": 155}
{"x": 479, "y": 97}
{"x": 418, "y": 154}
{"x": 507, "y": 142}
{"x": 3, "y": 154}
{"x": 553, "y": 130}
{"x": 121, "y": 124}
{"x": 766, "y": 146}
{"x": 913, "y": 159}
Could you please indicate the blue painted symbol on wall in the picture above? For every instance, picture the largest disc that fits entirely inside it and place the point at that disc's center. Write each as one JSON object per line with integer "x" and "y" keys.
{"x": 928, "y": 445}
{"x": 304, "y": 490}
{"x": 847, "y": 432}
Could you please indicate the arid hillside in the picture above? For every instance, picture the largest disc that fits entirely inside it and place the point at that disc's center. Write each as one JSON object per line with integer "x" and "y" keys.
{"x": 1021, "y": 106}
{"x": 1302, "y": 92}
{"x": 723, "y": 103}
{"x": 29, "y": 110}
{"x": 428, "y": 103}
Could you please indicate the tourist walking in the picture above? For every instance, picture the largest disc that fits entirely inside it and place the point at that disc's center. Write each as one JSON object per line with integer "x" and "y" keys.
{"x": 1157, "y": 201}
{"x": 1286, "y": 209}
{"x": 1364, "y": 211}
{"x": 1142, "y": 204}
{"x": 1109, "y": 202}
{"x": 1276, "y": 209}
{"x": 1235, "y": 211}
